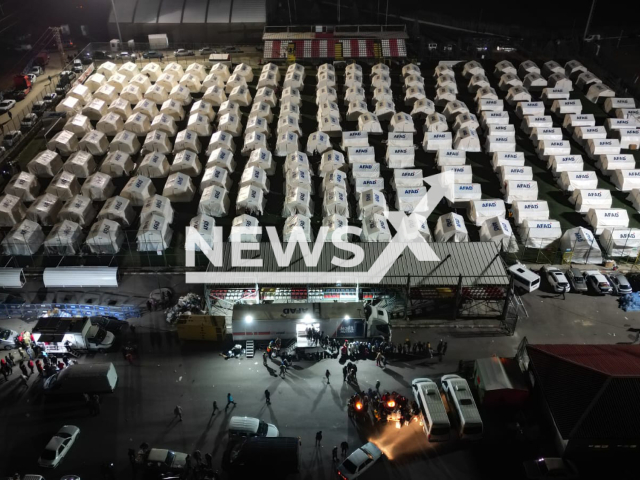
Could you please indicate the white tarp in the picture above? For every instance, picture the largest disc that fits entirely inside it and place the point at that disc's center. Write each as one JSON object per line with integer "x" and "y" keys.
{"x": 602, "y": 218}
{"x": 44, "y": 210}
{"x": 157, "y": 141}
{"x": 375, "y": 229}
{"x": 621, "y": 242}
{"x": 12, "y": 210}
{"x": 25, "y": 238}
{"x": 45, "y": 164}
{"x": 250, "y": 200}
{"x": 569, "y": 181}
{"x": 118, "y": 209}
{"x": 499, "y": 231}
{"x": 481, "y": 210}
{"x": 187, "y": 162}
{"x": 585, "y": 199}
{"x": 154, "y": 234}
{"x": 110, "y": 124}
{"x": 539, "y": 233}
{"x": 450, "y": 227}
{"x": 520, "y": 190}
{"x": 626, "y": 180}
{"x": 64, "y": 185}
{"x": 245, "y": 229}
{"x": 79, "y": 209}
{"x": 179, "y": 188}
{"x": 529, "y": 210}
{"x": 582, "y": 245}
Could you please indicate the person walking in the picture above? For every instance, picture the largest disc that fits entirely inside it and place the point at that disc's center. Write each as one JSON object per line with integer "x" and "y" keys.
{"x": 264, "y": 359}
{"x": 8, "y": 365}
{"x": 344, "y": 373}
{"x": 378, "y": 386}
{"x": 378, "y": 358}
{"x": 267, "y": 396}
{"x": 11, "y": 359}
{"x": 229, "y": 401}
{"x": 215, "y": 408}
{"x": 327, "y": 374}
{"x": 178, "y": 412}
{"x": 283, "y": 371}
{"x": 440, "y": 345}
{"x": 209, "y": 459}
{"x": 39, "y": 368}
{"x": 429, "y": 351}
{"x": 23, "y": 369}
{"x": 334, "y": 453}
{"x": 30, "y": 352}
{"x": 5, "y": 372}
{"x": 31, "y": 366}
{"x": 319, "y": 438}
{"x": 444, "y": 348}
{"x": 344, "y": 446}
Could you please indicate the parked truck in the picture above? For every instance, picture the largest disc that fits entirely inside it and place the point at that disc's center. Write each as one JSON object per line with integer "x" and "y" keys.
{"x": 158, "y": 41}
{"x": 59, "y": 334}
{"x": 21, "y": 87}
{"x": 42, "y": 59}
{"x": 83, "y": 378}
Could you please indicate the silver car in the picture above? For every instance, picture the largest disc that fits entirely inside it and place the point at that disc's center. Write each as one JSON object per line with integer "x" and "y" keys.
{"x": 619, "y": 283}
{"x": 577, "y": 281}
{"x": 8, "y": 339}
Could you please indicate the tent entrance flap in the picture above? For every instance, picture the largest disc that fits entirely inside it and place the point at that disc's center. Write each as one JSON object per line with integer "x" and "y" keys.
{"x": 12, "y": 278}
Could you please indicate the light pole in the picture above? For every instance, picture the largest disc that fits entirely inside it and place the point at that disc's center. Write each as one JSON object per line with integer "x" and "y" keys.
{"x": 586, "y": 28}
{"x": 386, "y": 15}
{"x": 115, "y": 15}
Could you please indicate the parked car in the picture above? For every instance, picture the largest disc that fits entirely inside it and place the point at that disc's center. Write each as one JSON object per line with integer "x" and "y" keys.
{"x": 58, "y": 446}
{"x": 77, "y": 66}
{"x": 359, "y": 461}
{"x": 38, "y": 107}
{"x": 50, "y": 99}
{"x": 32, "y": 78}
{"x": 68, "y": 76}
{"x": 619, "y": 283}
{"x": 7, "y": 105}
{"x": 577, "y": 281}
{"x": 101, "y": 55}
{"x": 597, "y": 282}
{"x": 206, "y": 51}
{"x": 29, "y": 121}
{"x": 153, "y": 54}
{"x": 126, "y": 56}
{"x": 12, "y": 138}
{"x": 556, "y": 279}
{"x": 24, "y": 47}
{"x": 86, "y": 59}
{"x": 162, "y": 460}
{"x": 181, "y": 52}
{"x": 542, "y": 468}
{"x": 231, "y": 49}
{"x": 37, "y": 71}
{"x": 8, "y": 339}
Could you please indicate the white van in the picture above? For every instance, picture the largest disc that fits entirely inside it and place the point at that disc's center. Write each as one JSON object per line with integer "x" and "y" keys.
{"x": 524, "y": 278}
{"x": 251, "y": 427}
{"x": 461, "y": 402}
{"x": 435, "y": 420}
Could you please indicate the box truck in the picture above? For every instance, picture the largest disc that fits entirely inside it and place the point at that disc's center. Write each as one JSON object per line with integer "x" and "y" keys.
{"x": 82, "y": 378}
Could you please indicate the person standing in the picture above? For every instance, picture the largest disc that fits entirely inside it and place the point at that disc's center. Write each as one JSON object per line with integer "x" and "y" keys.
{"x": 319, "y": 438}
{"x": 344, "y": 373}
{"x": 264, "y": 359}
{"x": 334, "y": 453}
{"x": 229, "y": 401}
{"x": 4, "y": 371}
{"x": 378, "y": 386}
{"x": 31, "y": 366}
{"x": 440, "y": 345}
{"x": 267, "y": 396}
{"x": 283, "y": 371}
{"x": 209, "y": 459}
{"x": 178, "y": 412}
{"x": 344, "y": 446}
{"x": 215, "y": 408}
{"x": 444, "y": 348}
{"x": 327, "y": 374}
{"x": 11, "y": 359}
{"x": 23, "y": 369}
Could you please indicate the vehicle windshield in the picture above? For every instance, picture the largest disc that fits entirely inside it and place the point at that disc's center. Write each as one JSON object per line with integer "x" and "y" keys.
{"x": 49, "y": 454}
{"x": 349, "y": 466}
{"x": 99, "y": 336}
{"x": 5, "y": 334}
{"x": 170, "y": 456}
{"x": 262, "y": 428}
{"x": 63, "y": 435}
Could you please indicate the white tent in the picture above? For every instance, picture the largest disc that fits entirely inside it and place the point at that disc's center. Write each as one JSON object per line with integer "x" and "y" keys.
{"x": 527, "y": 67}
{"x": 138, "y": 123}
{"x": 336, "y": 178}
{"x": 12, "y": 210}
{"x": 138, "y": 189}
{"x": 268, "y": 96}
{"x": 585, "y": 79}
{"x": 384, "y": 110}
{"x": 179, "y": 188}
{"x": 487, "y": 93}
{"x": 534, "y": 82}
{"x": 95, "y": 110}
{"x": 44, "y": 209}
{"x": 505, "y": 130}
{"x": 82, "y": 93}
{"x": 560, "y": 80}
{"x": 569, "y": 181}
{"x": 538, "y": 134}
{"x": 551, "y": 67}
{"x": 330, "y": 124}
{"x": 459, "y": 173}
{"x": 620, "y": 242}
{"x": 453, "y": 109}
{"x": 615, "y": 103}
{"x": 118, "y": 209}
{"x": 518, "y": 94}
{"x": 141, "y": 81}
{"x": 613, "y": 124}
{"x": 245, "y": 229}
{"x": 422, "y": 108}
{"x": 354, "y": 94}
{"x": 253, "y": 141}
{"x": 25, "y": 238}
{"x": 289, "y": 95}
{"x": 156, "y": 94}
{"x": 380, "y": 80}
{"x": 375, "y": 229}
{"x": 192, "y": 83}
{"x": 69, "y": 106}
{"x": 467, "y": 139}
{"x": 399, "y": 139}
{"x": 120, "y": 107}
{"x": 445, "y": 95}
{"x": 23, "y": 185}
{"x": 408, "y": 198}
{"x": 204, "y": 225}
{"x": 299, "y": 176}
{"x": 297, "y": 227}
{"x": 95, "y": 81}
{"x": 629, "y": 138}
{"x": 262, "y": 158}
{"x": 118, "y": 81}
{"x": 215, "y": 95}
{"x": 255, "y": 176}
{"x": 82, "y": 164}
{"x": 199, "y": 124}
{"x": 223, "y": 158}
{"x": 212, "y": 80}
{"x": 602, "y": 146}
{"x": 245, "y": 71}
{"x": 499, "y": 231}
{"x": 400, "y": 157}
{"x": 369, "y": 123}
{"x": 187, "y": 140}
{"x": 216, "y": 176}
{"x": 507, "y": 159}
{"x": 251, "y": 199}
{"x": 325, "y": 79}
{"x": 105, "y": 237}
{"x": 234, "y": 81}
{"x": 257, "y": 124}
{"x": 582, "y": 245}
{"x": 154, "y": 234}
{"x": 214, "y": 201}
{"x": 490, "y": 105}
{"x": 476, "y": 82}
{"x": 436, "y": 122}
{"x": 549, "y": 95}
{"x": 356, "y": 109}
{"x": 529, "y": 122}
{"x": 173, "y": 108}
{"x": 443, "y": 69}
{"x": 463, "y": 194}
{"x": 434, "y": 141}
{"x": 509, "y": 80}
{"x": 151, "y": 70}
{"x": 586, "y": 199}
{"x": 64, "y": 142}
{"x": 402, "y": 122}
{"x": 410, "y": 69}
{"x": 168, "y": 80}
{"x": 154, "y": 165}
{"x": 110, "y": 124}
{"x": 626, "y": 180}
{"x": 450, "y": 227}
{"x": 117, "y": 164}
{"x": 415, "y": 80}
{"x": 125, "y": 142}
{"x": 366, "y": 183}
{"x": 164, "y": 123}
{"x": 539, "y": 233}
{"x": 157, "y": 205}
{"x": 287, "y": 123}
{"x": 472, "y": 68}
{"x": 221, "y": 140}
{"x": 157, "y": 141}
{"x": 547, "y": 148}
{"x": 602, "y": 218}
{"x": 129, "y": 70}
{"x": 565, "y": 163}
{"x": 221, "y": 70}
{"x": 365, "y": 170}
{"x": 298, "y": 200}
{"x": 287, "y": 143}
{"x": 240, "y": 95}
{"x": 107, "y": 69}
{"x": 203, "y": 108}
{"x": 79, "y": 209}
{"x": 361, "y": 155}
{"x": 196, "y": 69}
{"x": 187, "y": 162}
{"x": 563, "y": 107}
{"x": 45, "y": 164}
{"x": 407, "y": 178}
{"x": 505, "y": 66}
{"x": 573, "y": 68}
{"x": 131, "y": 93}
{"x": 482, "y": 210}
{"x": 335, "y": 225}
{"x": 520, "y": 190}
{"x": 335, "y": 202}
{"x": 414, "y": 94}
{"x": 64, "y": 185}
{"x": 331, "y": 161}
{"x": 263, "y": 110}
{"x": 353, "y": 68}
{"x": 447, "y": 80}
{"x": 530, "y": 210}
{"x": 370, "y": 202}
{"x": 267, "y": 79}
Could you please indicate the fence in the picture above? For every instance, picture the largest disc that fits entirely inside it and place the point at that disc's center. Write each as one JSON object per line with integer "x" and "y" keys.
{"x": 32, "y": 311}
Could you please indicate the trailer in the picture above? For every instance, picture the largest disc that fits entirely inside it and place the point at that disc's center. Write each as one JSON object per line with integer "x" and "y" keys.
{"x": 351, "y": 320}
{"x": 60, "y": 334}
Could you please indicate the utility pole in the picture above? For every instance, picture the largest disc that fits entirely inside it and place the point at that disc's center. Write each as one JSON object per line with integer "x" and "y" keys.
{"x": 115, "y": 16}
{"x": 58, "y": 40}
{"x": 586, "y": 28}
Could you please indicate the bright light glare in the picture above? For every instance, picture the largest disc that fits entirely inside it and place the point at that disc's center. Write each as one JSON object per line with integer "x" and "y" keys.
{"x": 347, "y": 317}
{"x": 248, "y": 319}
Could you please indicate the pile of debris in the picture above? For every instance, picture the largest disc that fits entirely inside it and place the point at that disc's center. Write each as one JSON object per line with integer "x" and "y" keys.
{"x": 190, "y": 303}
